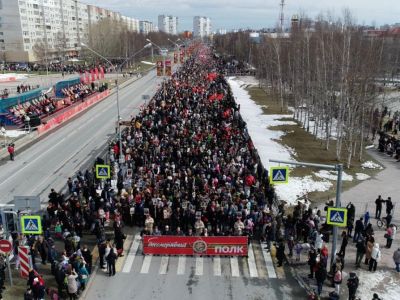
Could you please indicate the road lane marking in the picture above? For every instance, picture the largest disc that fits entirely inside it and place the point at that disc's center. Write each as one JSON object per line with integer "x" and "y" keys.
{"x": 235, "y": 267}
{"x": 131, "y": 255}
{"x": 199, "y": 266}
{"x": 146, "y": 264}
{"x": 252, "y": 262}
{"x": 217, "y": 266}
{"x": 268, "y": 263}
{"x": 181, "y": 265}
{"x": 163, "y": 265}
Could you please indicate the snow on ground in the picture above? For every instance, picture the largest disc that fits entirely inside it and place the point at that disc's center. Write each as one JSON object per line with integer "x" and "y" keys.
{"x": 15, "y": 75}
{"x": 371, "y": 165}
{"x": 332, "y": 175}
{"x": 383, "y": 283}
{"x": 249, "y": 80}
{"x": 14, "y": 133}
{"x": 362, "y": 176}
{"x": 266, "y": 142}
{"x": 299, "y": 186}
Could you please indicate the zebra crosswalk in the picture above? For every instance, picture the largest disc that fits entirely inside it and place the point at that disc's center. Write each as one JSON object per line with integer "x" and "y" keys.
{"x": 258, "y": 264}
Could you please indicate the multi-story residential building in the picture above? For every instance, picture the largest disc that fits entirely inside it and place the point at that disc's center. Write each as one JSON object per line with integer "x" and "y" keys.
{"x": 201, "y": 26}
{"x": 57, "y": 25}
{"x": 146, "y": 26}
{"x": 168, "y": 24}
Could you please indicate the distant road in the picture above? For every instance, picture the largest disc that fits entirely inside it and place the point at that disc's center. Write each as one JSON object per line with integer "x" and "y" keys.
{"x": 48, "y": 163}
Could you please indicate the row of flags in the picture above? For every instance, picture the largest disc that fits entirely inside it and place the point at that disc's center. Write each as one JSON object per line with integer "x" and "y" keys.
{"x": 92, "y": 75}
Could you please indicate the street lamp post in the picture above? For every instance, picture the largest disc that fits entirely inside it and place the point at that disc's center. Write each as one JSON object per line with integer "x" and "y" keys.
{"x": 121, "y": 157}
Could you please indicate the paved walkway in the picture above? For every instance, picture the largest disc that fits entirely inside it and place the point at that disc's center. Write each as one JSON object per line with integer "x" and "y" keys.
{"x": 387, "y": 184}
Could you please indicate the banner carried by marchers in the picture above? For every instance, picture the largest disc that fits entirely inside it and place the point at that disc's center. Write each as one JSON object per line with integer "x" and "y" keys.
{"x": 160, "y": 68}
{"x": 168, "y": 68}
{"x": 195, "y": 245}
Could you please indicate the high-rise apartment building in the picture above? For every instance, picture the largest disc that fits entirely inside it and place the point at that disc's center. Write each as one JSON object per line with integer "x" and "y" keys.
{"x": 55, "y": 24}
{"x": 201, "y": 26}
{"x": 168, "y": 24}
{"x": 146, "y": 26}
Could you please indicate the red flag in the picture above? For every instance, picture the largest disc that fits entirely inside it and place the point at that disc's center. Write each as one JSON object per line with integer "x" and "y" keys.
{"x": 96, "y": 71}
{"x": 93, "y": 75}
{"x": 101, "y": 73}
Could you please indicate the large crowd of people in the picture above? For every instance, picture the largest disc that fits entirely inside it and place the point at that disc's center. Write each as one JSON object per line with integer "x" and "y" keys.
{"x": 189, "y": 168}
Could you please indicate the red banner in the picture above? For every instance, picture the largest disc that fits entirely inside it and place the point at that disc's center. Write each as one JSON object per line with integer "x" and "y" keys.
{"x": 168, "y": 68}
{"x": 101, "y": 73}
{"x": 195, "y": 245}
{"x": 160, "y": 68}
{"x": 96, "y": 72}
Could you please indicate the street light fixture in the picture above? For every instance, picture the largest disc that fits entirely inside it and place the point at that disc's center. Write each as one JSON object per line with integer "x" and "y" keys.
{"x": 121, "y": 157}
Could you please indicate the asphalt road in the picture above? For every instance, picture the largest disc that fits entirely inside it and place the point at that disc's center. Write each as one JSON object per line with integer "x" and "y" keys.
{"x": 49, "y": 162}
{"x": 183, "y": 278}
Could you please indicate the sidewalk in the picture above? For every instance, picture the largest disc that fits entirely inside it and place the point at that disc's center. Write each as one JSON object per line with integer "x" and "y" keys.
{"x": 385, "y": 281}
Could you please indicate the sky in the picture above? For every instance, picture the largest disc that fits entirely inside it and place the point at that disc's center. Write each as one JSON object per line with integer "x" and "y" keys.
{"x": 254, "y": 14}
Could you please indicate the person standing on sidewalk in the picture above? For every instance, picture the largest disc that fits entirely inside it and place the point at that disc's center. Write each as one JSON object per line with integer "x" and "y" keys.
{"x": 358, "y": 230}
{"x": 361, "y": 248}
{"x": 389, "y": 206}
{"x": 375, "y": 257}
{"x": 320, "y": 276}
{"x": 396, "y": 259}
{"x": 352, "y": 284}
{"x": 378, "y": 210}
{"x": 345, "y": 241}
{"x": 337, "y": 280}
{"x": 390, "y": 233}
{"x": 11, "y": 151}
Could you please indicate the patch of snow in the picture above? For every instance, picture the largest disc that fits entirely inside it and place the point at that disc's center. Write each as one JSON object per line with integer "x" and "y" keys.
{"x": 299, "y": 186}
{"x": 332, "y": 175}
{"x": 371, "y": 165}
{"x": 13, "y": 75}
{"x": 384, "y": 283}
{"x": 362, "y": 176}
{"x": 15, "y": 133}
{"x": 266, "y": 141}
{"x": 249, "y": 80}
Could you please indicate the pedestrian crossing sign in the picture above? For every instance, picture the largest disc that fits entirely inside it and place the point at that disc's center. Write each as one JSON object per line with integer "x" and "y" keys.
{"x": 337, "y": 216}
{"x": 31, "y": 225}
{"x": 103, "y": 172}
{"x": 279, "y": 175}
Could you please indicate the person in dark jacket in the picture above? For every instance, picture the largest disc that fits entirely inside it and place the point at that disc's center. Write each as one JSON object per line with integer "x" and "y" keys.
{"x": 345, "y": 241}
{"x": 312, "y": 260}
{"x": 320, "y": 276}
{"x": 378, "y": 210}
{"x": 352, "y": 284}
{"x": 361, "y": 248}
{"x": 87, "y": 256}
{"x": 111, "y": 258}
{"x": 280, "y": 252}
{"x": 358, "y": 230}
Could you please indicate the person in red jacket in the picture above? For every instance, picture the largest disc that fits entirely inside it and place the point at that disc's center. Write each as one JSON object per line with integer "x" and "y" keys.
{"x": 11, "y": 151}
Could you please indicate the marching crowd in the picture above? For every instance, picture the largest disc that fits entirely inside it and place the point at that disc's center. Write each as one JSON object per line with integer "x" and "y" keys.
{"x": 190, "y": 168}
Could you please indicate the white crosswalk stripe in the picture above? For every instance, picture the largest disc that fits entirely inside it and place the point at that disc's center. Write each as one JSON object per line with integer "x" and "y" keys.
{"x": 217, "y": 266}
{"x": 131, "y": 255}
{"x": 164, "y": 265}
{"x": 269, "y": 264}
{"x": 199, "y": 266}
{"x": 181, "y": 265}
{"x": 235, "y": 267}
{"x": 252, "y": 262}
{"x": 146, "y": 264}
